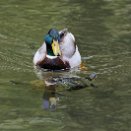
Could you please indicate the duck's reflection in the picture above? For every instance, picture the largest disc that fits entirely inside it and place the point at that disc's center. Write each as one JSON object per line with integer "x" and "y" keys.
{"x": 49, "y": 98}
{"x": 56, "y": 82}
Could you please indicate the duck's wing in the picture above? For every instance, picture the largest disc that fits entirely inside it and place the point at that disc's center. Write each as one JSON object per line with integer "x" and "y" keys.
{"x": 75, "y": 60}
{"x": 69, "y": 49}
{"x": 40, "y": 54}
{"x": 67, "y": 44}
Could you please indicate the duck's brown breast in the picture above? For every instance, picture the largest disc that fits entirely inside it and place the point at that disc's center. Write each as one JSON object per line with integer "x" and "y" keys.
{"x": 54, "y": 64}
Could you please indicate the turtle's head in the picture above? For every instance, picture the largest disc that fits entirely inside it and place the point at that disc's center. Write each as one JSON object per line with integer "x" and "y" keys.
{"x": 52, "y": 41}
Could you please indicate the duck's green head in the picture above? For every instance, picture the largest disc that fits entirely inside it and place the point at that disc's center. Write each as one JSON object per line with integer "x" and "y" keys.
{"x": 52, "y": 42}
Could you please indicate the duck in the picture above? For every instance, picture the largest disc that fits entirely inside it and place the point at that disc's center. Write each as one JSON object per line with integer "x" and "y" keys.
{"x": 58, "y": 51}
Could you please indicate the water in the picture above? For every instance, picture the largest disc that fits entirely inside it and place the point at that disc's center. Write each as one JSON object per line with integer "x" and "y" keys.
{"x": 102, "y": 30}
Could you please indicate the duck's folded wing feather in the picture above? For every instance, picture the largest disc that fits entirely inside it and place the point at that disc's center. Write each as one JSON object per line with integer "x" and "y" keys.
{"x": 69, "y": 49}
{"x": 40, "y": 54}
{"x": 67, "y": 45}
{"x": 75, "y": 60}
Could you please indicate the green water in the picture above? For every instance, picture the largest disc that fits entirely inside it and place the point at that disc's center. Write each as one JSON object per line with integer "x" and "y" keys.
{"x": 103, "y": 32}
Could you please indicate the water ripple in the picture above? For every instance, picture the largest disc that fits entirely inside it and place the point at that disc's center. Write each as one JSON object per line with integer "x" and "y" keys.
{"x": 16, "y": 62}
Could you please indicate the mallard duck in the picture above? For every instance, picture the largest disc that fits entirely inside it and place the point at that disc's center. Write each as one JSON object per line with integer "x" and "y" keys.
{"x": 58, "y": 52}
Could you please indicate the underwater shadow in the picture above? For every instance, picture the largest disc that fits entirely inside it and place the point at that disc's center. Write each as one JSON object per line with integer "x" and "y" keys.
{"x": 56, "y": 83}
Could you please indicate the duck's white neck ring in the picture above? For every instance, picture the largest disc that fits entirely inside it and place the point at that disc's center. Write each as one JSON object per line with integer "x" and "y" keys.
{"x": 51, "y": 57}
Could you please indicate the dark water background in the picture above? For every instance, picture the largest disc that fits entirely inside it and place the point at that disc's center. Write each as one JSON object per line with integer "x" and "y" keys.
{"x": 103, "y": 32}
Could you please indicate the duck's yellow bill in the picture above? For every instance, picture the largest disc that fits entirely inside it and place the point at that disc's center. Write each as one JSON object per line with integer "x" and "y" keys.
{"x": 56, "y": 48}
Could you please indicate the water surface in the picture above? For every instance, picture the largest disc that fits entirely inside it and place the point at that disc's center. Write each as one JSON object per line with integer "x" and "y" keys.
{"x": 102, "y": 30}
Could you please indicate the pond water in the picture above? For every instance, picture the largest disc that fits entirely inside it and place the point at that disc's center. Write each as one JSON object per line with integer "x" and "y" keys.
{"x": 103, "y": 34}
